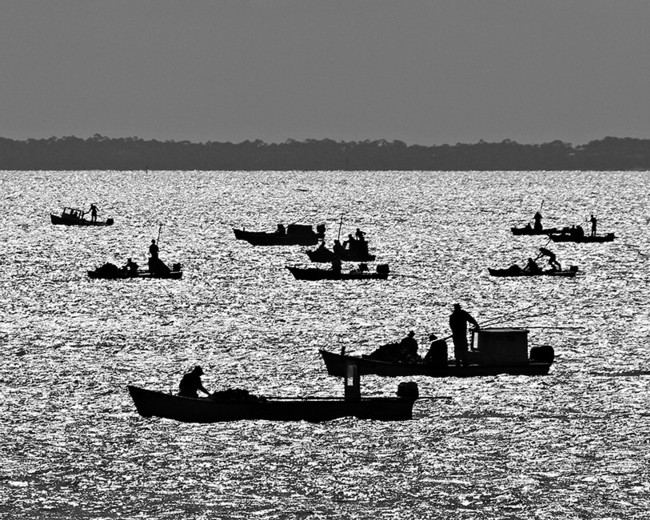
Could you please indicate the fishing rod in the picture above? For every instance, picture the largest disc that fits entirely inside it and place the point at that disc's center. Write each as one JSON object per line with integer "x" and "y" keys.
{"x": 159, "y": 230}
{"x": 507, "y": 314}
{"x": 340, "y": 226}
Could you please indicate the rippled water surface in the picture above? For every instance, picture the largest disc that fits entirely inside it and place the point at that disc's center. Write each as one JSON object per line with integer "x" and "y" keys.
{"x": 573, "y": 444}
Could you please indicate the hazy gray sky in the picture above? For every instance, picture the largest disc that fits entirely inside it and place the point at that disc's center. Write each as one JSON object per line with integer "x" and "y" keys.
{"x": 421, "y": 71}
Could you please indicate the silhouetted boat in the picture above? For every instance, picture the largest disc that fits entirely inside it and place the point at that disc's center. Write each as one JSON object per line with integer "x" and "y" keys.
{"x": 324, "y": 255}
{"x": 295, "y": 235}
{"x": 111, "y": 272}
{"x": 570, "y": 237}
{"x": 516, "y": 271}
{"x": 530, "y": 231}
{"x": 499, "y": 351}
{"x": 313, "y": 273}
{"x": 74, "y": 217}
{"x": 314, "y": 409}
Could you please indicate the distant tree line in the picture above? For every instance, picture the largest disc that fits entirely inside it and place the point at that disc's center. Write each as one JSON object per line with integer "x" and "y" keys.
{"x": 103, "y": 153}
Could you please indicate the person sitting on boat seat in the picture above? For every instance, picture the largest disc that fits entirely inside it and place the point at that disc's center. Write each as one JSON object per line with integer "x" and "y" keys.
{"x": 532, "y": 267}
{"x": 350, "y": 244}
{"x": 552, "y": 260}
{"x": 191, "y": 384}
{"x": 437, "y": 355}
{"x": 280, "y": 230}
{"x": 338, "y": 248}
{"x": 336, "y": 264}
{"x": 409, "y": 349}
{"x": 131, "y": 267}
{"x": 361, "y": 236}
{"x": 580, "y": 232}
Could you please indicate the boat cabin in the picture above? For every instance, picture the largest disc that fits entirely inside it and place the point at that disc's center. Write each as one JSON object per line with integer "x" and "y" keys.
{"x": 499, "y": 346}
{"x": 72, "y": 213}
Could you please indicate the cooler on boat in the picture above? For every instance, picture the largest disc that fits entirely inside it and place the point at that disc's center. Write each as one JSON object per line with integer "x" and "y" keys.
{"x": 501, "y": 346}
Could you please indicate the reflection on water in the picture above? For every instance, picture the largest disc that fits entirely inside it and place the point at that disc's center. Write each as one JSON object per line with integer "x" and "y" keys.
{"x": 569, "y": 445}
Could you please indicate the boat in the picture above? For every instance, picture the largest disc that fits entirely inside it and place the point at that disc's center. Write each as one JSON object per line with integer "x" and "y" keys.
{"x": 582, "y": 239}
{"x": 221, "y": 407}
{"x": 74, "y": 217}
{"x": 324, "y": 255}
{"x": 293, "y": 235}
{"x": 529, "y": 230}
{"x": 302, "y": 273}
{"x": 110, "y": 271}
{"x": 516, "y": 271}
{"x": 499, "y": 351}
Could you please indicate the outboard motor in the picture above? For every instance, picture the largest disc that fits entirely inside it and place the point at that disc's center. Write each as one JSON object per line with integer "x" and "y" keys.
{"x": 542, "y": 354}
{"x": 176, "y": 267}
{"x": 382, "y": 268}
{"x": 320, "y": 230}
{"x": 408, "y": 390}
{"x": 109, "y": 221}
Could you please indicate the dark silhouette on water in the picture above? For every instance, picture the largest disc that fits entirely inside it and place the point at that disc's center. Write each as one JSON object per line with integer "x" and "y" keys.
{"x": 594, "y": 223}
{"x": 93, "y": 213}
{"x": 437, "y": 354}
{"x": 191, "y": 383}
{"x": 552, "y": 259}
{"x": 292, "y": 235}
{"x": 458, "y": 321}
{"x": 75, "y": 217}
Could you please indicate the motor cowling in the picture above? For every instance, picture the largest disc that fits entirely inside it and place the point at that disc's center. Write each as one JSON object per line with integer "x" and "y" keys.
{"x": 408, "y": 390}
{"x": 542, "y": 354}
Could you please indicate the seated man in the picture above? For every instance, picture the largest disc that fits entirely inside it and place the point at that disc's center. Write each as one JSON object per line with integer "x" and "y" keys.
{"x": 437, "y": 355}
{"x": 131, "y": 267}
{"x": 532, "y": 267}
{"x": 191, "y": 384}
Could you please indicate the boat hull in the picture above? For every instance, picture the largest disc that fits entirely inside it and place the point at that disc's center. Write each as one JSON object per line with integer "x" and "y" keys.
{"x": 63, "y": 221}
{"x": 327, "y": 274}
{"x": 323, "y": 256}
{"x": 530, "y": 231}
{"x": 509, "y": 273}
{"x": 260, "y": 238}
{"x": 205, "y": 410}
{"x": 336, "y": 366}
{"x": 97, "y": 274}
{"x": 565, "y": 237}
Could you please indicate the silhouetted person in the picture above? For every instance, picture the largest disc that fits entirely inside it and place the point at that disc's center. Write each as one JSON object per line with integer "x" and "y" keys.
{"x": 281, "y": 230}
{"x": 351, "y": 244}
{"x": 153, "y": 249}
{"x": 594, "y": 222}
{"x": 580, "y": 232}
{"x": 458, "y": 324}
{"x": 538, "y": 221}
{"x": 131, "y": 267}
{"x": 338, "y": 249}
{"x": 93, "y": 213}
{"x": 191, "y": 384}
{"x": 552, "y": 260}
{"x": 532, "y": 267}
{"x": 437, "y": 355}
{"x": 409, "y": 348}
{"x": 361, "y": 236}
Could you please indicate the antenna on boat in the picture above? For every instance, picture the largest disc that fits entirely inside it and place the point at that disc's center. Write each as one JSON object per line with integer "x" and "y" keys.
{"x": 340, "y": 226}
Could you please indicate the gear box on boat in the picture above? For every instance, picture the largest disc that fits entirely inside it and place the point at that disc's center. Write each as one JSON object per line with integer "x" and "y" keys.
{"x": 501, "y": 346}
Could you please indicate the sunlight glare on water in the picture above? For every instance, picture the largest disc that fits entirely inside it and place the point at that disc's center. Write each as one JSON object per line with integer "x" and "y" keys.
{"x": 573, "y": 444}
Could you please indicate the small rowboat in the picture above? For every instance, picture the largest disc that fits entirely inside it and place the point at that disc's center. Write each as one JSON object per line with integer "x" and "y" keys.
{"x": 74, "y": 217}
{"x": 301, "y": 273}
{"x": 295, "y": 235}
{"x": 112, "y": 272}
{"x": 516, "y": 271}
{"x": 568, "y": 237}
{"x": 532, "y": 231}
{"x": 150, "y": 403}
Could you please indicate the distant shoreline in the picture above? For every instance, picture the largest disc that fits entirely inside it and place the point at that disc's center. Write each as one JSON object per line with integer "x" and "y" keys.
{"x": 103, "y": 153}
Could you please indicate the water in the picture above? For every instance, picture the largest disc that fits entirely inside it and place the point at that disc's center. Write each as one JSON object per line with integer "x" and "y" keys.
{"x": 573, "y": 444}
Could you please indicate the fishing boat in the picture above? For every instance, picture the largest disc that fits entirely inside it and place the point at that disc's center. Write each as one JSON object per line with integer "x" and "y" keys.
{"x": 75, "y": 217}
{"x": 324, "y": 255}
{"x": 529, "y": 230}
{"x": 516, "y": 271}
{"x": 313, "y": 273}
{"x": 110, "y": 271}
{"x": 498, "y": 351}
{"x": 219, "y": 408}
{"x": 293, "y": 235}
{"x": 582, "y": 239}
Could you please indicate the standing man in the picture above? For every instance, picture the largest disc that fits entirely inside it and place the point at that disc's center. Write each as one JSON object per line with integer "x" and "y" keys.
{"x": 538, "y": 221}
{"x": 593, "y": 221}
{"x": 458, "y": 324}
{"x": 93, "y": 213}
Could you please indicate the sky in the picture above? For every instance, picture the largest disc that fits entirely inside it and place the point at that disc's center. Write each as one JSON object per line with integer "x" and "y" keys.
{"x": 424, "y": 72}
